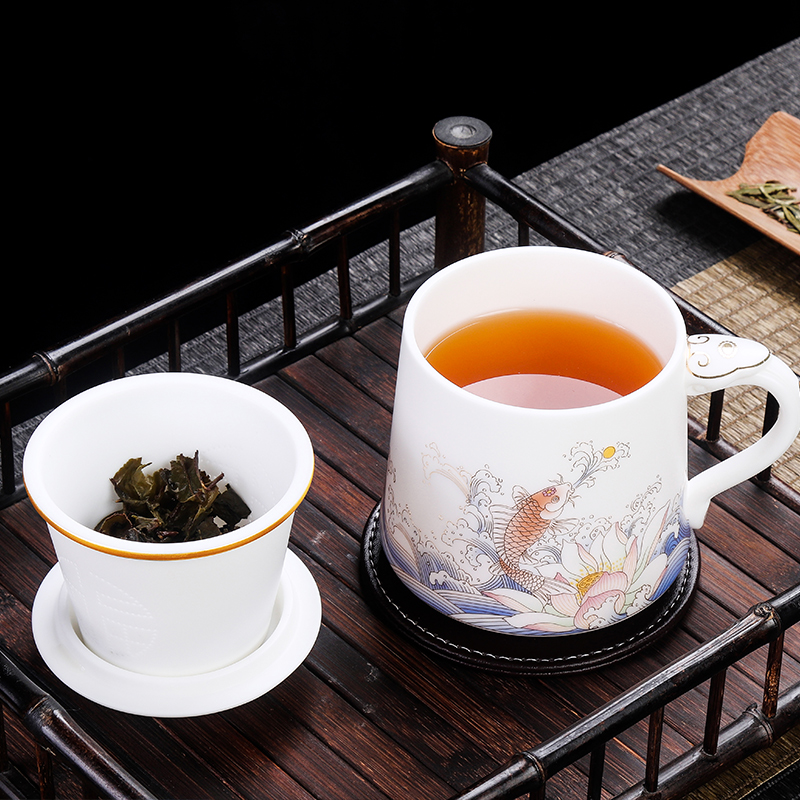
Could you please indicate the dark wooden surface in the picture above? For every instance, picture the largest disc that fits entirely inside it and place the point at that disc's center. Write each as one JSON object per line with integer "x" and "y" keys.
{"x": 368, "y": 715}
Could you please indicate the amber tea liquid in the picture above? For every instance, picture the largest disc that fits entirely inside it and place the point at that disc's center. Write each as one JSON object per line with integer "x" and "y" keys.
{"x": 544, "y": 359}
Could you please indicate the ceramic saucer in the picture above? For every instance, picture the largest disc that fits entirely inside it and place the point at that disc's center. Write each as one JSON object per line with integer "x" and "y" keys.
{"x": 293, "y": 631}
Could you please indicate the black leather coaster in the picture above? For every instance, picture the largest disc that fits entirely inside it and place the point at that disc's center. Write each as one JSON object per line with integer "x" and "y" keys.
{"x": 506, "y": 653}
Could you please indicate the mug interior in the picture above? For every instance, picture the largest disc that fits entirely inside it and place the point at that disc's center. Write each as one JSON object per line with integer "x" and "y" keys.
{"x": 546, "y": 278}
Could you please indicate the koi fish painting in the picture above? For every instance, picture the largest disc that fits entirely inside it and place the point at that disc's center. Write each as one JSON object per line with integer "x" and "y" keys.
{"x": 527, "y": 562}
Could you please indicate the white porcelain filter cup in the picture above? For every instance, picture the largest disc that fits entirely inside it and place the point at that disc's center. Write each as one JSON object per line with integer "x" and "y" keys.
{"x": 170, "y": 609}
{"x": 541, "y": 522}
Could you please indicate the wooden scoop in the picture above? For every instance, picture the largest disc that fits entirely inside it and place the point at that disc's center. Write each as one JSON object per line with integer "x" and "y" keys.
{"x": 772, "y": 154}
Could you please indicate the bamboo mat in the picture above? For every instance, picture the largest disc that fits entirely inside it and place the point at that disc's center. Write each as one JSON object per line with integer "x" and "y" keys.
{"x": 755, "y": 294}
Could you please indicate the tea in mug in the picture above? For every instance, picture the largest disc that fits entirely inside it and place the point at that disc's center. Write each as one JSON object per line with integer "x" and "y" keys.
{"x": 544, "y": 359}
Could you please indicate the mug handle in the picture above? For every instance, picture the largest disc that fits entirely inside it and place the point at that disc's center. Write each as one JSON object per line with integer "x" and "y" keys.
{"x": 718, "y": 362}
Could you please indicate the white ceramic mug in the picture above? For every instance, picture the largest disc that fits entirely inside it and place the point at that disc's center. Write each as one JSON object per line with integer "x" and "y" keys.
{"x": 170, "y": 609}
{"x": 541, "y": 522}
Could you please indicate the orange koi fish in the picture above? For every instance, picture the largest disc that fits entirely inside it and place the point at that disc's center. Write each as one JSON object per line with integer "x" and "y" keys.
{"x": 534, "y": 514}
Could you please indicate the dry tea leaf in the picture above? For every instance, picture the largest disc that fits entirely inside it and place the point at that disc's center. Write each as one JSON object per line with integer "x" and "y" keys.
{"x": 773, "y": 198}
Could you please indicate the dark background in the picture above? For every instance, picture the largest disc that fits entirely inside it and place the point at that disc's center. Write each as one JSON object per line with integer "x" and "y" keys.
{"x": 153, "y": 145}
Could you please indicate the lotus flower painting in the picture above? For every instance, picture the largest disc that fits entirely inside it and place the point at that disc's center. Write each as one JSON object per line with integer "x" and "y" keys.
{"x": 525, "y": 561}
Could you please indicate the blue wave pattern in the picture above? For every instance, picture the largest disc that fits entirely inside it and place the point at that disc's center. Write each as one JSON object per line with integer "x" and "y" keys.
{"x": 648, "y": 553}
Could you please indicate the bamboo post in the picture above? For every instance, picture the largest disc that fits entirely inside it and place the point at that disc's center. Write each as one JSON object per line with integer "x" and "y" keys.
{"x": 461, "y": 143}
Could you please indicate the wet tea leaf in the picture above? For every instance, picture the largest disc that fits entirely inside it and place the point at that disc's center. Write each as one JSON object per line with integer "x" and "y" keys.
{"x": 230, "y": 507}
{"x": 179, "y": 503}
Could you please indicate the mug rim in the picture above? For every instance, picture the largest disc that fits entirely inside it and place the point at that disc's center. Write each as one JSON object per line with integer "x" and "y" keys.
{"x": 62, "y": 522}
{"x": 675, "y": 359}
